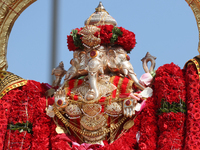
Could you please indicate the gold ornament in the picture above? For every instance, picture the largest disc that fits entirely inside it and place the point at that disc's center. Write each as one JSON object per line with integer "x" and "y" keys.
{"x": 88, "y": 36}
{"x": 128, "y": 124}
{"x": 59, "y": 130}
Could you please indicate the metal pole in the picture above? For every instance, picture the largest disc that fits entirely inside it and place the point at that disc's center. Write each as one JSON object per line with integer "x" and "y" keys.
{"x": 54, "y": 32}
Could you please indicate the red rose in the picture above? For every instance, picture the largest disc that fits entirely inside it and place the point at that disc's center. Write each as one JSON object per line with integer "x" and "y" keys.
{"x": 70, "y": 43}
{"x": 106, "y": 33}
{"x": 197, "y": 115}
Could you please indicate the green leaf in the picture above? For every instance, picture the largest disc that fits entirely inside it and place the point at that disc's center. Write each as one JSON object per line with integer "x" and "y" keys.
{"x": 116, "y": 32}
{"x": 21, "y": 127}
{"x": 173, "y": 107}
{"x": 77, "y": 39}
{"x": 153, "y": 73}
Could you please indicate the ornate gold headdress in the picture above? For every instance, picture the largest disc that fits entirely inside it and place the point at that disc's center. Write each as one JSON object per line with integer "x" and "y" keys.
{"x": 100, "y": 28}
{"x": 99, "y": 17}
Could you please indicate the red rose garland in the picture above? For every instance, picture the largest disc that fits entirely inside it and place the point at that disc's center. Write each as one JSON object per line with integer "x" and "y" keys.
{"x": 41, "y": 122}
{"x": 149, "y": 127}
{"x": 192, "y": 139}
{"x": 108, "y": 34}
{"x": 18, "y": 113}
{"x": 105, "y": 33}
{"x": 4, "y": 115}
{"x": 171, "y": 95}
{"x": 26, "y": 103}
{"x": 15, "y": 139}
{"x": 127, "y": 40}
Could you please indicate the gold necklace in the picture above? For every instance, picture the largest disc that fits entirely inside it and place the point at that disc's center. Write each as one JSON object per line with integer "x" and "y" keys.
{"x": 87, "y": 133}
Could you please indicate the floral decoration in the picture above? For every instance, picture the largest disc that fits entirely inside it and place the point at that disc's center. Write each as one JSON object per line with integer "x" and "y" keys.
{"x": 28, "y": 108}
{"x": 21, "y": 127}
{"x": 159, "y": 126}
{"x": 108, "y": 34}
{"x": 149, "y": 129}
{"x": 192, "y": 138}
{"x": 170, "y": 93}
{"x": 166, "y": 107}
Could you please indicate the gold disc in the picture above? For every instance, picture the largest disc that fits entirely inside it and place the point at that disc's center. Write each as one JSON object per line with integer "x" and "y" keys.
{"x": 59, "y": 130}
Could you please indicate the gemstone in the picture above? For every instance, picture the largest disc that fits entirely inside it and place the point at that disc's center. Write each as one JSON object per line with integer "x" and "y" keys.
{"x": 93, "y": 53}
{"x": 128, "y": 102}
{"x": 128, "y": 57}
{"x": 59, "y": 102}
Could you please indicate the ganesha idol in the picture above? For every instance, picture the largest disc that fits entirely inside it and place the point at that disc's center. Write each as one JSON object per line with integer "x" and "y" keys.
{"x": 101, "y": 95}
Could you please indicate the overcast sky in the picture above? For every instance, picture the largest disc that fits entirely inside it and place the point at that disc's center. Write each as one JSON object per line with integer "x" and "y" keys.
{"x": 167, "y": 29}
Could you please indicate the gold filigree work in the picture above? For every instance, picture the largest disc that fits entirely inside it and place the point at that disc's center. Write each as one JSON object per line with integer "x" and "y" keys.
{"x": 9, "y": 81}
{"x": 87, "y": 133}
{"x": 9, "y": 12}
{"x": 88, "y": 35}
{"x": 195, "y": 6}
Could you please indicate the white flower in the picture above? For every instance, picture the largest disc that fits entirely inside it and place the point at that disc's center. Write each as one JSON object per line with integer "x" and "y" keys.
{"x": 50, "y": 111}
{"x": 138, "y": 106}
{"x": 147, "y": 92}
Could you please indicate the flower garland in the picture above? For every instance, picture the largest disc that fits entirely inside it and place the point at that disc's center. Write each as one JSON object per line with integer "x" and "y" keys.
{"x": 192, "y": 138}
{"x": 149, "y": 127}
{"x": 4, "y": 115}
{"x": 171, "y": 95}
{"x": 27, "y": 106}
{"x": 21, "y": 127}
{"x": 108, "y": 34}
{"x": 18, "y": 114}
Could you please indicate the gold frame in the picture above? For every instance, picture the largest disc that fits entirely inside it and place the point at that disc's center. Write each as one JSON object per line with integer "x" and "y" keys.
{"x": 11, "y": 9}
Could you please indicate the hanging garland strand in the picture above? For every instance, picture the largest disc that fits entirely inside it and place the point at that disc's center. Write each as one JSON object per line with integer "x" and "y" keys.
{"x": 171, "y": 95}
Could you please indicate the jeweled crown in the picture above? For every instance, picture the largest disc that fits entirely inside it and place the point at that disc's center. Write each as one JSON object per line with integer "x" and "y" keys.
{"x": 100, "y": 28}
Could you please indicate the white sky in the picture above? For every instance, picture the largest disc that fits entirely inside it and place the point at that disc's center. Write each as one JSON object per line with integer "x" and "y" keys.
{"x": 167, "y": 29}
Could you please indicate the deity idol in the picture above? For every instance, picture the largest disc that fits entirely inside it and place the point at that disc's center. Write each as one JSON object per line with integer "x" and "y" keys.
{"x": 101, "y": 105}
{"x": 101, "y": 94}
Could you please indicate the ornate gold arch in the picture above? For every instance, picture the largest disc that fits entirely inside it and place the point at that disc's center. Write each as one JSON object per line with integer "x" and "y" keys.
{"x": 9, "y": 12}
{"x": 11, "y": 9}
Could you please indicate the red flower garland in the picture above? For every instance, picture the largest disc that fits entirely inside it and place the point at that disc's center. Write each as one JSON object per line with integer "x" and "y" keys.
{"x": 4, "y": 113}
{"x": 170, "y": 87}
{"x": 192, "y": 139}
{"x": 149, "y": 127}
{"x": 105, "y": 33}
{"x": 26, "y": 104}
{"x": 127, "y": 40}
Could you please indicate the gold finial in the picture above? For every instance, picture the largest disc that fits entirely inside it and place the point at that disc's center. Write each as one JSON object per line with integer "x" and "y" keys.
{"x": 100, "y": 7}
{"x": 100, "y": 17}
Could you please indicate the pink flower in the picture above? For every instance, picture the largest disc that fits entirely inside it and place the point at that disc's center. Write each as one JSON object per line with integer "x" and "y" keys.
{"x": 146, "y": 79}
